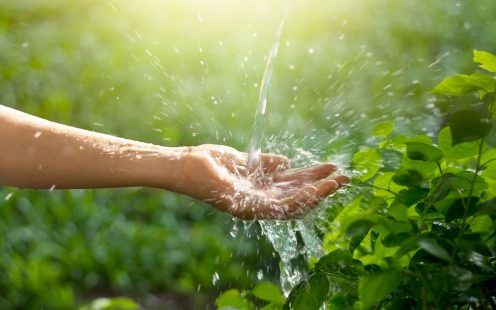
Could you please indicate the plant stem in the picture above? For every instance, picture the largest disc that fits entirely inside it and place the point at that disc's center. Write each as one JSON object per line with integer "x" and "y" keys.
{"x": 466, "y": 205}
{"x": 384, "y": 189}
{"x": 439, "y": 167}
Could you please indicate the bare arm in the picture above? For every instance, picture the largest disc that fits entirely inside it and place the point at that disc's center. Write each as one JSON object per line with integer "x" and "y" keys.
{"x": 37, "y": 153}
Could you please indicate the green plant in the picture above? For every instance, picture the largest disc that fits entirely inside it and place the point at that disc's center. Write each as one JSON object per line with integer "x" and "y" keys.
{"x": 421, "y": 232}
{"x": 120, "y": 303}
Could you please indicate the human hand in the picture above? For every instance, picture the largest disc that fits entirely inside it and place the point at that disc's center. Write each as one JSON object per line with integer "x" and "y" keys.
{"x": 218, "y": 175}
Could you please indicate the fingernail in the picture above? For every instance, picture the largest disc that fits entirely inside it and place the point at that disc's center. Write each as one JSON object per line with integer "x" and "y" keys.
{"x": 343, "y": 179}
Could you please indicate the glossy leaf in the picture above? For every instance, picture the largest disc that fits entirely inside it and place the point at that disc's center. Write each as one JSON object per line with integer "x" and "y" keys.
{"x": 339, "y": 301}
{"x": 383, "y": 129}
{"x": 310, "y": 294}
{"x": 339, "y": 263}
{"x": 463, "y": 181}
{"x": 423, "y": 151}
{"x": 408, "y": 177}
{"x": 394, "y": 240}
{"x": 119, "y": 303}
{"x": 433, "y": 248}
{"x": 488, "y": 207}
{"x": 456, "y": 151}
{"x": 373, "y": 288}
{"x": 486, "y": 60}
{"x": 457, "y": 209}
{"x": 367, "y": 162}
{"x": 462, "y": 84}
{"x": 468, "y": 125}
{"x": 410, "y": 196}
{"x": 269, "y": 292}
{"x": 232, "y": 299}
{"x": 359, "y": 227}
{"x": 441, "y": 187}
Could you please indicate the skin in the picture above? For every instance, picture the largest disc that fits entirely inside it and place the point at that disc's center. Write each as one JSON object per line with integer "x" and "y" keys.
{"x": 36, "y": 153}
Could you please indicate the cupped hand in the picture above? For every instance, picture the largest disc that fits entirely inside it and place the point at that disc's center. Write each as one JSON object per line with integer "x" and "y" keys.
{"x": 219, "y": 176}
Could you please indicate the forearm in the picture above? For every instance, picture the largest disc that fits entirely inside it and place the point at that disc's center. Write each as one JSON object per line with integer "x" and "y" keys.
{"x": 40, "y": 154}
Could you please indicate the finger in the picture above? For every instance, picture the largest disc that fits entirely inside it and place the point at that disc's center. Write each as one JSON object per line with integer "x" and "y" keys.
{"x": 288, "y": 189}
{"x": 272, "y": 162}
{"x": 342, "y": 179}
{"x": 306, "y": 175}
{"x": 309, "y": 197}
{"x": 241, "y": 171}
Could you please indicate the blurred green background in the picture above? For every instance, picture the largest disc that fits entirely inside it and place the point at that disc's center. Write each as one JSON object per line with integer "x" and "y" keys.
{"x": 186, "y": 73}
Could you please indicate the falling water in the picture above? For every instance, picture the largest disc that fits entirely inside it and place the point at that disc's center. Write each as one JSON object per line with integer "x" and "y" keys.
{"x": 281, "y": 234}
{"x": 255, "y": 148}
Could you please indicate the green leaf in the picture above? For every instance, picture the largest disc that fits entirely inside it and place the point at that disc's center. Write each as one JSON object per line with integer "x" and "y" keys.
{"x": 367, "y": 162}
{"x": 120, "y": 303}
{"x": 440, "y": 187}
{"x": 269, "y": 292}
{"x": 410, "y": 196}
{"x": 463, "y": 181}
{"x": 423, "y": 151}
{"x": 457, "y": 209}
{"x": 462, "y": 84}
{"x": 232, "y": 299}
{"x": 488, "y": 157}
{"x": 340, "y": 301}
{"x": 273, "y": 306}
{"x": 309, "y": 295}
{"x": 413, "y": 172}
{"x": 484, "y": 82}
{"x": 383, "y": 129}
{"x": 394, "y": 240}
{"x": 486, "y": 60}
{"x": 339, "y": 263}
{"x": 408, "y": 177}
{"x": 383, "y": 183}
{"x": 433, "y": 248}
{"x": 359, "y": 227}
{"x": 482, "y": 224}
{"x": 372, "y": 289}
{"x": 468, "y": 125}
{"x": 458, "y": 151}
{"x": 488, "y": 207}
{"x": 358, "y": 230}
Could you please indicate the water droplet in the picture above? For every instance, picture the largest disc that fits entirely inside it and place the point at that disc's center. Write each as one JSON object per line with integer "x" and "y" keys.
{"x": 37, "y": 134}
{"x": 215, "y": 278}
{"x": 260, "y": 274}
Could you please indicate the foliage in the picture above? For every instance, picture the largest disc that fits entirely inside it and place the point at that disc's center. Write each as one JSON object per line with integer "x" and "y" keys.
{"x": 421, "y": 234}
{"x": 121, "y": 303}
{"x": 185, "y": 73}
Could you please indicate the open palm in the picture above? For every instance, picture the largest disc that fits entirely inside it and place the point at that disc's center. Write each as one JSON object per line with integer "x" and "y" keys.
{"x": 219, "y": 176}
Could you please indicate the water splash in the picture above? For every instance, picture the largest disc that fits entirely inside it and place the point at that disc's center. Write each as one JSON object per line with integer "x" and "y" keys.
{"x": 290, "y": 239}
{"x": 284, "y": 235}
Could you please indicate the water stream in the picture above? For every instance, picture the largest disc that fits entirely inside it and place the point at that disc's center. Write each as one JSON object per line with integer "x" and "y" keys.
{"x": 255, "y": 147}
{"x": 283, "y": 235}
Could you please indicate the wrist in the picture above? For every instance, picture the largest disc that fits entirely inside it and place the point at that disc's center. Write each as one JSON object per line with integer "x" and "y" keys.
{"x": 165, "y": 169}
